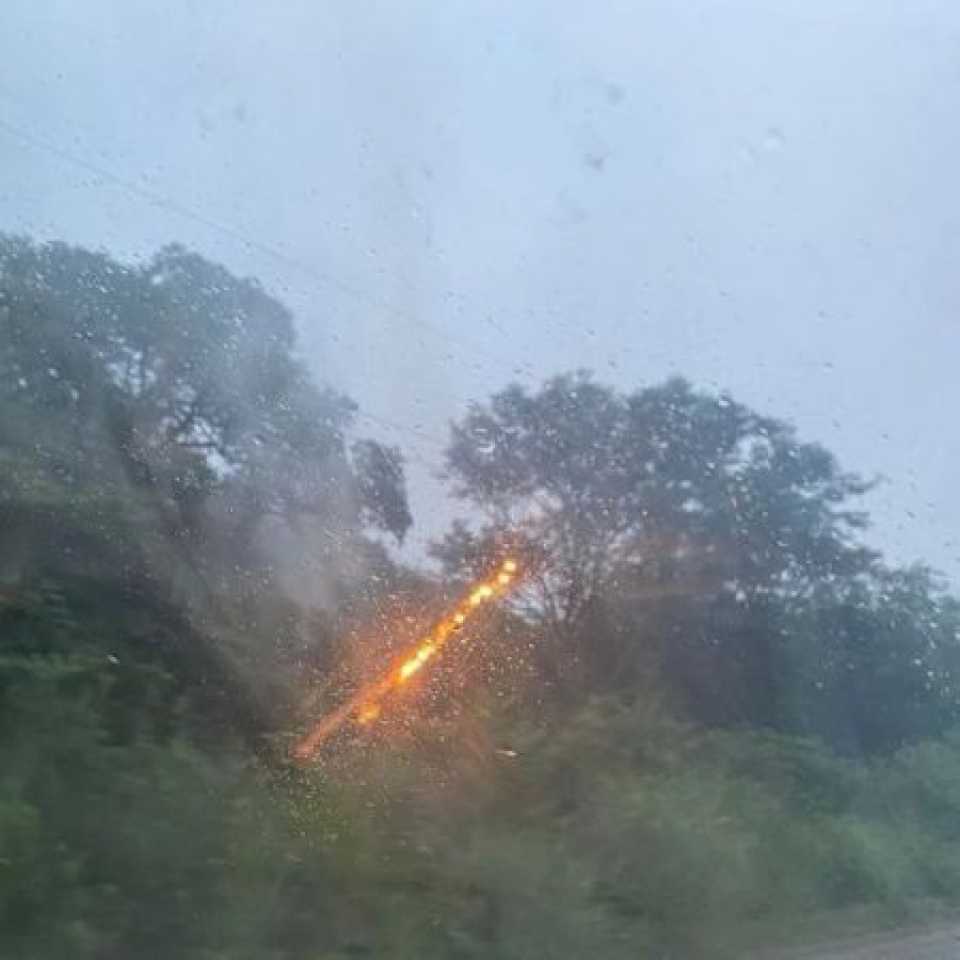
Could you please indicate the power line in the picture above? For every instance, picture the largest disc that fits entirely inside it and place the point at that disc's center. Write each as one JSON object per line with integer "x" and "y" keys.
{"x": 323, "y": 279}
{"x": 318, "y": 276}
{"x": 420, "y": 434}
{"x": 411, "y": 438}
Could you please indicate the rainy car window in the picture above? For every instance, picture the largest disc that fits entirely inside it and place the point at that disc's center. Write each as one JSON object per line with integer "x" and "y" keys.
{"x": 477, "y": 480}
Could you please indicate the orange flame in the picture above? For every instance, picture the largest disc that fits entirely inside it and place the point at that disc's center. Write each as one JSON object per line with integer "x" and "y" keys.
{"x": 365, "y": 706}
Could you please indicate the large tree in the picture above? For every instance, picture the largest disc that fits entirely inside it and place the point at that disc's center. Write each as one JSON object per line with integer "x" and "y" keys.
{"x": 154, "y": 416}
{"x": 681, "y": 533}
{"x": 192, "y": 374}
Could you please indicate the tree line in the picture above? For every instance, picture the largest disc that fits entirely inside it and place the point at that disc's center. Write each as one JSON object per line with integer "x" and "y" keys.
{"x": 713, "y": 711}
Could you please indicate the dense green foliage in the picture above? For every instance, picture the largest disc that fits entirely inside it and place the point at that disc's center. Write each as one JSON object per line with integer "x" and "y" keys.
{"x": 712, "y": 715}
{"x": 682, "y": 534}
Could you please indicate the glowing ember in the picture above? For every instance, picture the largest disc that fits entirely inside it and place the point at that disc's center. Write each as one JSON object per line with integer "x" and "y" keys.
{"x": 365, "y": 706}
{"x": 369, "y": 713}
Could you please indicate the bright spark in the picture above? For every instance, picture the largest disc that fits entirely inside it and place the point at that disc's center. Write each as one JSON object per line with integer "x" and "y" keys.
{"x": 365, "y": 706}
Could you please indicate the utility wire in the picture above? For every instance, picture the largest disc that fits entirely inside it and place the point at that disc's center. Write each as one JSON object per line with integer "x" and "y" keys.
{"x": 322, "y": 280}
{"x": 177, "y": 208}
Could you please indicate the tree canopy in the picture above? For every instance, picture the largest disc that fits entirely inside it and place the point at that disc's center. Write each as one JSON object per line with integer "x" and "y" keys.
{"x": 685, "y": 533}
{"x": 154, "y": 417}
{"x": 712, "y": 716}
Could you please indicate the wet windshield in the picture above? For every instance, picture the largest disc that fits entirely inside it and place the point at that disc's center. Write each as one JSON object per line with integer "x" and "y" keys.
{"x": 476, "y": 480}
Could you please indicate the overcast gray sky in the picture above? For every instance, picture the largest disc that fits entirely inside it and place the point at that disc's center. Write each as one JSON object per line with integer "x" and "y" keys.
{"x": 759, "y": 195}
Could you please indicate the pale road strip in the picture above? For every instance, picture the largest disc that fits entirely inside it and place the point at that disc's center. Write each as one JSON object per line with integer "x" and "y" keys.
{"x": 940, "y": 943}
